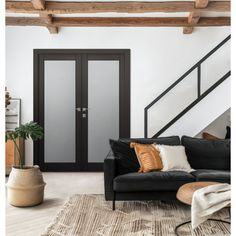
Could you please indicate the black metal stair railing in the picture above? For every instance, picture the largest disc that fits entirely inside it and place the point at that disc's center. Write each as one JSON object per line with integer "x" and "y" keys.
{"x": 200, "y": 95}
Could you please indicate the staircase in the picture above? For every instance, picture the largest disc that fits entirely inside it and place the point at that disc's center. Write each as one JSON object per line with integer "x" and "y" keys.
{"x": 185, "y": 107}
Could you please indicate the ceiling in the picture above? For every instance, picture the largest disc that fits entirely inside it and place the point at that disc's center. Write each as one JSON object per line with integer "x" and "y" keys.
{"x": 133, "y": 13}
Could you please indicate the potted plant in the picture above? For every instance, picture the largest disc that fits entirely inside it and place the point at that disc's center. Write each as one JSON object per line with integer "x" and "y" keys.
{"x": 25, "y": 186}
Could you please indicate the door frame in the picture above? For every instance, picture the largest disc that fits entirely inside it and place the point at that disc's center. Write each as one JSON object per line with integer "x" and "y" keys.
{"x": 123, "y": 55}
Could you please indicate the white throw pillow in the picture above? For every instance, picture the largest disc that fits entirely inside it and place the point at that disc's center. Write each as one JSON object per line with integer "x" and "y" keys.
{"x": 173, "y": 158}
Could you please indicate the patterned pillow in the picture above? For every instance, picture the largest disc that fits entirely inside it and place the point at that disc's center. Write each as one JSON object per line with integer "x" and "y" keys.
{"x": 148, "y": 157}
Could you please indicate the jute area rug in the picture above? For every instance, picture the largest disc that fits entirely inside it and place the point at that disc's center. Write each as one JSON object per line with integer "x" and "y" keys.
{"x": 90, "y": 215}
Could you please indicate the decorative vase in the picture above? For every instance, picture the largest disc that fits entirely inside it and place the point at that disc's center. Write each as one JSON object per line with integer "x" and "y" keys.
{"x": 25, "y": 187}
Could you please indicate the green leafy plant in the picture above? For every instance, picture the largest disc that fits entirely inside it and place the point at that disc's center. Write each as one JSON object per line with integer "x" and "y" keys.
{"x": 29, "y": 130}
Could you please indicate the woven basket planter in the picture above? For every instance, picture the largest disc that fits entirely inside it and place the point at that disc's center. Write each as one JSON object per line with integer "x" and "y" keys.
{"x": 25, "y": 187}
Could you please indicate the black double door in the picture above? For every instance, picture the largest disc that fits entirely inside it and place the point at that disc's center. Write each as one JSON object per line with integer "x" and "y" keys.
{"x": 81, "y": 99}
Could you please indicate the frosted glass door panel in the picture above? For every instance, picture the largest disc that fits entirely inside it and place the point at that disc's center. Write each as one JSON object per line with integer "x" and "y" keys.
{"x": 59, "y": 114}
{"x": 103, "y": 107}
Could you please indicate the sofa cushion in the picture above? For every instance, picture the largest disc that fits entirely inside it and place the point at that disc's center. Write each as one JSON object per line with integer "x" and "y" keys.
{"x": 125, "y": 157}
{"x": 148, "y": 157}
{"x": 228, "y": 132}
{"x": 152, "y": 181}
{"x": 174, "y": 158}
{"x": 207, "y": 154}
{"x": 212, "y": 175}
{"x": 172, "y": 140}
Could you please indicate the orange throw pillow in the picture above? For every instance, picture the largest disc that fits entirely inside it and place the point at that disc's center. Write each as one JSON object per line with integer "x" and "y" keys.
{"x": 148, "y": 157}
{"x": 208, "y": 136}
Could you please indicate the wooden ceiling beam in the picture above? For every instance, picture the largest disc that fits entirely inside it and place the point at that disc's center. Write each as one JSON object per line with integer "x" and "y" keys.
{"x": 48, "y": 20}
{"x": 52, "y": 29}
{"x": 118, "y": 21}
{"x": 187, "y": 30}
{"x": 119, "y": 7}
{"x": 38, "y": 4}
{"x": 46, "y": 17}
{"x": 195, "y": 16}
{"x": 201, "y": 3}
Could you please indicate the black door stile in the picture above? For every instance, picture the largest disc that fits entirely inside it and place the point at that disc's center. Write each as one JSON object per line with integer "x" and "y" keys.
{"x": 85, "y": 105}
{"x": 81, "y": 58}
{"x": 79, "y": 146}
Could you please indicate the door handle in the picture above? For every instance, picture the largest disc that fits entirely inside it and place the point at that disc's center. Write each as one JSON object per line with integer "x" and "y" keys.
{"x": 85, "y": 109}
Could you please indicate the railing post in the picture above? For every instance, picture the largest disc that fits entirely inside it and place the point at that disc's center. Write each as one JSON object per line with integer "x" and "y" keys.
{"x": 145, "y": 123}
{"x": 199, "y": 80}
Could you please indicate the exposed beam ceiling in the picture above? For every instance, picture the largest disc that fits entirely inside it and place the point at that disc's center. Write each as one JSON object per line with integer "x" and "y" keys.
{"x": 46, "y": 11}
{"x": 47, "y": 18}
{"x": 118, "y": 21}
{"x": 52, "y": 29}
{"x": 38, "y": 4}
{"x": 201, "y": 3}
{"x": 192, "y": 19}
{"x": 195, "y": 15}
{"x": 129, "y": 7}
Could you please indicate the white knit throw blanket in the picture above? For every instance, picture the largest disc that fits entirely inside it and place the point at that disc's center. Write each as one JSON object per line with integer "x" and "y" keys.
{"x": 207, "y": 201}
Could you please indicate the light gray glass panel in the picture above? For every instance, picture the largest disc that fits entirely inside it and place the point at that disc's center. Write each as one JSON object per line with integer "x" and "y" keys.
{"x": 59, "y": 114}
{"x": 103, "y": 105}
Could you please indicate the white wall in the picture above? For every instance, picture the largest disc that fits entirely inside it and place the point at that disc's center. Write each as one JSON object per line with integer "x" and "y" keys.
{"x": 218, "y": 126}
{"x": 203, "y": 113}
{"x": 158, "y": 57}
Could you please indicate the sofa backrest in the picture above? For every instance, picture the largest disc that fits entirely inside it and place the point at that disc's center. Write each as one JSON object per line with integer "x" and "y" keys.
{"x": 173, "y": 140}
{"x": 207, "y": 154}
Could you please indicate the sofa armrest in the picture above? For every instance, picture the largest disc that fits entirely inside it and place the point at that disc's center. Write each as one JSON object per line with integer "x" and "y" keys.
{"x": 109, "y": 175}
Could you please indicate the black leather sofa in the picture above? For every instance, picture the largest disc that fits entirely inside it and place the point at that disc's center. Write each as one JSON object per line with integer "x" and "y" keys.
{"x": 209, "y": 158}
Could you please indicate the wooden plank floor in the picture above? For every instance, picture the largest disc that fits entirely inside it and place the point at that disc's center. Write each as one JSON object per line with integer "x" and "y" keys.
{"x": 33, "y": 220}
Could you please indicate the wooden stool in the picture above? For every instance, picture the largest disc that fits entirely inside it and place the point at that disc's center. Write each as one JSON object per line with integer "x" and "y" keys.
{"x": 185, "y": 195}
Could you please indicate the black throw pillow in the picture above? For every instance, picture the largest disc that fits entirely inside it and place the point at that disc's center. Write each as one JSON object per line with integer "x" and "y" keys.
{"x": 207, "y": 154}
{"x": 126, "y": 158}
{"x": 228, "y": 132}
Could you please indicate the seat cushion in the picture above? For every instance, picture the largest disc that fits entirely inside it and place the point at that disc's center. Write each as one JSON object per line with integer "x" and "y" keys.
{"x": 207, "y": 154}
{"x": 222, "y": 176}
{"x": 172, "y": 140}
{"x": 152, "y": 181}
